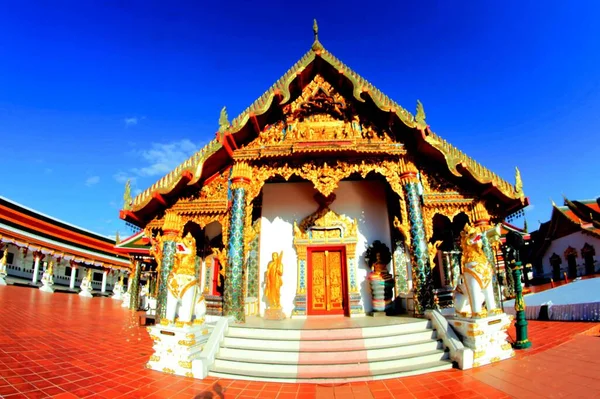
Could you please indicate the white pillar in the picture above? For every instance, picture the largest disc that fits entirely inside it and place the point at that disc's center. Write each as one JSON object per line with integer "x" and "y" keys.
{"x": 36, "y": 269}
{"x": 104, "y": 275}
{"x": 73, "y": 274}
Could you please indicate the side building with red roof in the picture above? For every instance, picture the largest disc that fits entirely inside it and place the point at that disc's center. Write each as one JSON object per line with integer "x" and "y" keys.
{"x": 33, "y": 240}
{"x": 569, "y": 242}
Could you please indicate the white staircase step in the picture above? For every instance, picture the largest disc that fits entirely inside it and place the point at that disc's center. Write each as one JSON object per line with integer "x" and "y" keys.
{"x": 328, "y": 334}
{"x": 342, "y": 370}
{"x": 403, "y": 371}
{"x": 275, "y": 344}
{"x": 328, "y": 357}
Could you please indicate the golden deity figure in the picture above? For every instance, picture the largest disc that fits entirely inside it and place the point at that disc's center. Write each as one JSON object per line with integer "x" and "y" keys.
{"x": 476, "y": 280}
{"x": 48, "y": 279}
{"x": 3, "y": 262}
{"x": 274, "y": 281}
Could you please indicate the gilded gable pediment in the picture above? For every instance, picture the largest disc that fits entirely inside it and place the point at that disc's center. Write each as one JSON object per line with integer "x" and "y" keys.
{"x": 319, "y": 117}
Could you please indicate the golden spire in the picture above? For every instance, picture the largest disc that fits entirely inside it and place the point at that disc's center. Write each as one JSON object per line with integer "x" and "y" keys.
{"x": 117, "y": 238}
{"x": 223, "y": 120}
{"x": 518, "y": 182}
{"x": 420, "y": 116}
{"x": 316, "y": 44}
{"x": 127, "y": 195}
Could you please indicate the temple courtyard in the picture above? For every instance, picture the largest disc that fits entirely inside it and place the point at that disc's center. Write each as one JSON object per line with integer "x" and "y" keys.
{"x": 62, "y": 345}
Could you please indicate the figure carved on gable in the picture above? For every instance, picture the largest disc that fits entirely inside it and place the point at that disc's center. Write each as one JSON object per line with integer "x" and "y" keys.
{"x": 319, "y": 114}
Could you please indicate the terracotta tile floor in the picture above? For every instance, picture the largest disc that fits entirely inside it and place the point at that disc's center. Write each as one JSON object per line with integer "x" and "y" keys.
{"x": 61, "y": 345}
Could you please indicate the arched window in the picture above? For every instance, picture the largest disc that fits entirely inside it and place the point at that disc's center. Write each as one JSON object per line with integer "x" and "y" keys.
{"x": 571, "y": 257}
{"x": 588, "y": 252}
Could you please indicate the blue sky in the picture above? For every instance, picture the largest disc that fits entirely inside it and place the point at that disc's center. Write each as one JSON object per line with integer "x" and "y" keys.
{"x": 91, "y": 94}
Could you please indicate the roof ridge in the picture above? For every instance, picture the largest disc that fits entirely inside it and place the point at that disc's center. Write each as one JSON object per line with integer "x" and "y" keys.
{"x": 281, "y": 88}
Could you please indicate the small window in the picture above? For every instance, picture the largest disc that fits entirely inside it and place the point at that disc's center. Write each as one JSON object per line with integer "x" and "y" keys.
{"x": 97, "y": 277}
{"x": 10, "y": 257}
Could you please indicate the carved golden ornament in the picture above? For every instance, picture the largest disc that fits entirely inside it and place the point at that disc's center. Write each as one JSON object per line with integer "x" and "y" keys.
{"x": 198, "y": 322}
{"x": 326, "y": 219}
{"x": 221, "y": 255}
{"x": 506, "y": 346}
{"x": 478, "y": 354}
{"x": 479, "y": 214}
{"x": 164, "y": 322}
{"x": 127, "y": 196}
{"x": 404, "y": 230}
{"x": 223, "y": 120}
{"x": 154, "y": 358}
{"x": 184, "y": 342}
{"x": 168, "y": 371}
{"x": 518, "y": 183}
{"x": 173, "y": 225}
{"x": 326, "y": 177}
{"x": 420, "y": 115}
{"x": 407, "y": 170}
{"x": 432, "y": 249}
{"x": 495, "y": 359}
{"x": 476, "y": 364}
{"x": 241, "y": 171}
{"x": 190, "y": 336}
{"x": 156, "y": 250}
{"x": 189, "y": 374}
{"x": 184, "y": 364}
{"x": 319, "y": 115}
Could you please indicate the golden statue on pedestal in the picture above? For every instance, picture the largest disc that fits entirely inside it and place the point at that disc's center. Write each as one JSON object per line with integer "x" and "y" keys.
{"x": 273, "y": 281}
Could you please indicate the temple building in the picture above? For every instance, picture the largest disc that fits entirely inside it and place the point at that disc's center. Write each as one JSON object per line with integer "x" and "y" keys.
{"x": 310, "y": 176}
{"x": 567, "y": 243}
{"x": 30, "y": 242}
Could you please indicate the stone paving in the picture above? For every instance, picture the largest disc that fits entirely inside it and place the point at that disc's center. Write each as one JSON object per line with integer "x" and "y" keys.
{"x": 64, "y": 346}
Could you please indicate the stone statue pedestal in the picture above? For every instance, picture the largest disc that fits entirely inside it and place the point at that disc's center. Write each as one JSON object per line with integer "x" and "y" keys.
{"x": 86, "y": 291}
{"x": 487, "y": 337}
{"x": 274, "y": 314}
{"x": 382, "y": 285}
{"x": 126, "y": 300}
{"x": 3, "y": 279}
{"x": 118, "y": 296}
{"x": 177, "y": 348}
{"x": 46, "y": 287}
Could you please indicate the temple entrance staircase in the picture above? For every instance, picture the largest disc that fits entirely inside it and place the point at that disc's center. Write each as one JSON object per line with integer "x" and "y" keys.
{"x": 336, "y": 350}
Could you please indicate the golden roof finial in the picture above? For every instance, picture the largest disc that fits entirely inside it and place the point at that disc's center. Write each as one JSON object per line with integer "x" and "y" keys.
{"x": 127, "y": 195}
{"x": 518, "y": 182}
{"x": 420, "y": 116}
{"x": 316, "y": 44}
{"x": 117, "y": 238}
{"x": 223, "y": 120}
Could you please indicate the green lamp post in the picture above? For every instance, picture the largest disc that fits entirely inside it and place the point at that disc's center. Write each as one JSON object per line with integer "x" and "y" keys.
{"x": 522, "y": 341}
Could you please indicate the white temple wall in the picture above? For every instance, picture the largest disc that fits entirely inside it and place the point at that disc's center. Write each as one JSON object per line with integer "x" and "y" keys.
{"x": 576, "y": 240}
{"x": 284, "y": 203}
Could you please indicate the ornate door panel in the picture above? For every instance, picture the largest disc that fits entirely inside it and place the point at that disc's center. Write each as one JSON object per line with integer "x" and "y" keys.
{"x": 326, "y": 282}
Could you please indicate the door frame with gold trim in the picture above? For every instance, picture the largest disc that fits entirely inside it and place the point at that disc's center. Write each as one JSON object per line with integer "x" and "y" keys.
{"x": 321, "y": 229}
{"x": 344, "y": 270}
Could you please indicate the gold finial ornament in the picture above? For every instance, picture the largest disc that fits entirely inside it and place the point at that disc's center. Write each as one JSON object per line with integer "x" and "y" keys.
{"x": 241, "y": 174}
{"x": 172, "y": 224}
{"x": 480, "y": 215}
{"x": 127, "y": 196}
{"x": 117, "y": 238}
{"x": 518, "y": 182}
{"x": 223, "y": 120}
{"x": 420, "y": 115}
{"x": 316, "y": 44}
